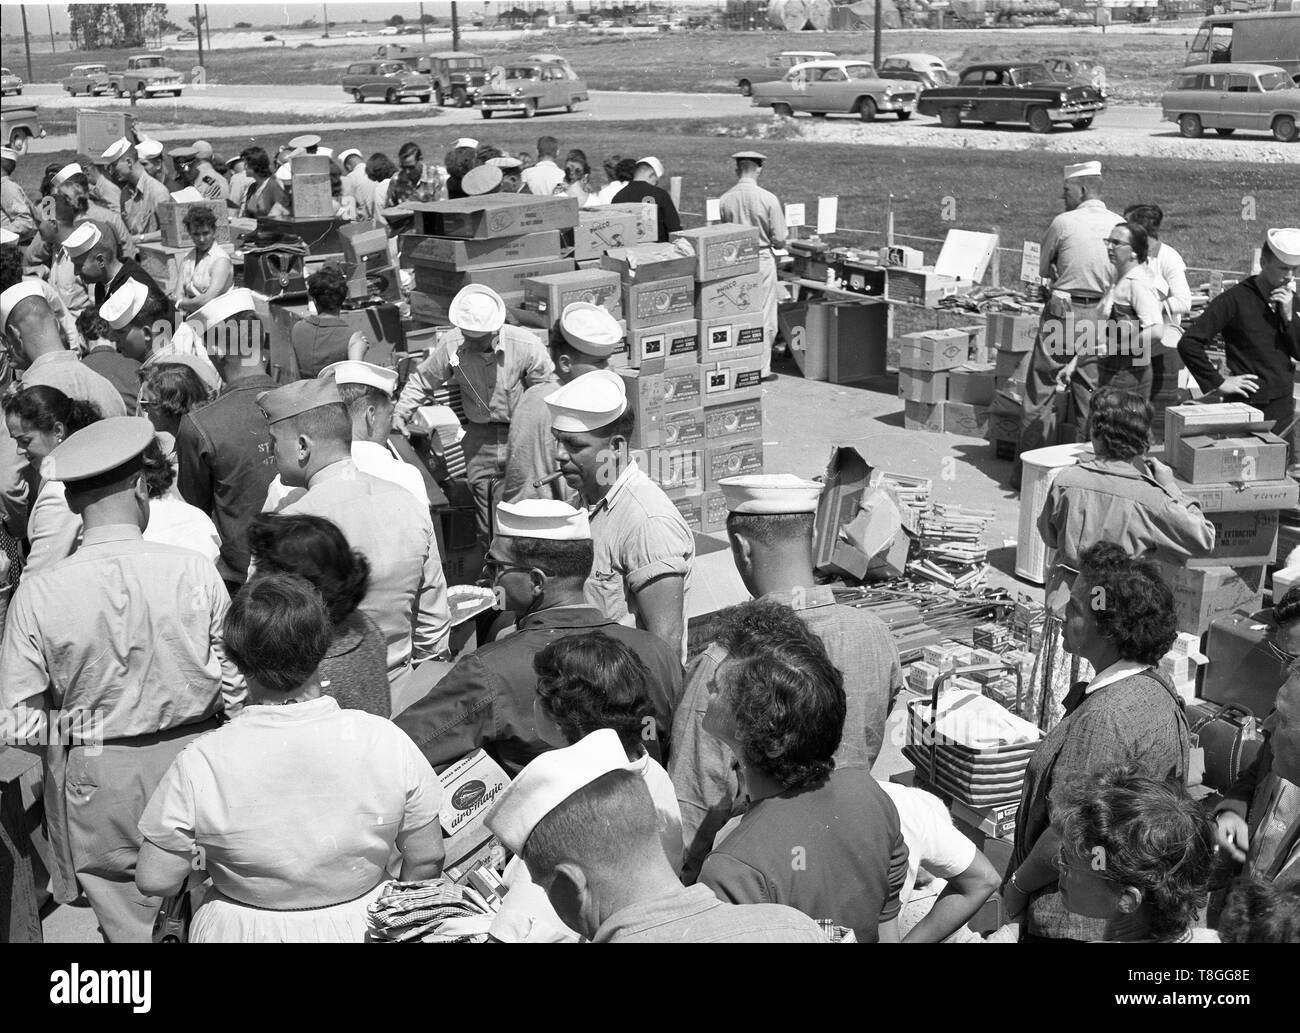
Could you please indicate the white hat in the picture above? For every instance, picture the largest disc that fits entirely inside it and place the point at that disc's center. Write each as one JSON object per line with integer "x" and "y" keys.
{"x": 222, "y": 307}
{"x": 20, "y": 291}
{"x": 589, "y": 402}
{"x": 542, "y": 518}
{"x": 187, "y": 195}
{"x": 82, "y": 239}
{"x": 345, "y": 155}
{"x": 1285, "y": 243}
{"x": 149, "y": 149}
{"x": 482, "y": 179}
{"x": 117, "y": 150}
{"x": 324, "y": 152}
{"x": 8, "y": 236}
{"x": 654, "y": 163}
{"x": 203, "y": 150}
{"x": 477, "y": 310}
{"x": 124, "y": 304}
{"x": 1086, "y": 168}
{"x": 8, "y": 154}
{"x": 66, "y": 173}
{"x": 351, "y": 371}
{"x": 506, "y": 162}
{"x": 591, "y": 329}
{"x": 548, "y": 781}
{"x": 305, "y": 141}
{"x": 284, "y": 173}
{"x": 465, "y": 141}
{"x": 770, "y": 493}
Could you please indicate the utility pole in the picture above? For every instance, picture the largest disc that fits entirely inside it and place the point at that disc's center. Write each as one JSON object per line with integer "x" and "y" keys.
{"x": 27, "y": 42}
{"x": 422, "y": 39}
{"x": 455, "y": 26}
{"x": 50, "y": 18}
{"x": 198, "y": 32}
{"x": 876, "y": 35}
{"x": 325, "y": 15}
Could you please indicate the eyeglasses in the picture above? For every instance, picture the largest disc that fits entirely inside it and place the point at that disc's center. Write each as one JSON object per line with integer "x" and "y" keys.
{"x": 1115, "y": 243}
{"x": 493, "y": 570}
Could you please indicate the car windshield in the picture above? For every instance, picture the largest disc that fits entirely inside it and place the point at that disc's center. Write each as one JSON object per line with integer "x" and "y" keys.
{"x": 1028, "y": 74}
{"x": 860, "y": 71}
{"x": 392, "y": 68}
{"x": 1276, "y": 81}
{"x": 523, "y": 72}
{"x": 148, "y": 62}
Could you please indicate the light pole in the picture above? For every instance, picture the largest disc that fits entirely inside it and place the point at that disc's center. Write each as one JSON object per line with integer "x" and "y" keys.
{"x": 50, "y": 18}
{"x": 876, "y": 35}
{"x": 325, "y": 16}
{"x": 27, "y": 42}
{"x": 422, "y": 37}
{"x": 455, "y": 25}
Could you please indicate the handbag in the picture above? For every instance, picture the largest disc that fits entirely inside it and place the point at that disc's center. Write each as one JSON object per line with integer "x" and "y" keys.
{"x": 172, "y": 923}
{"x": 274, "y": 263}
{"x": 1226, "y": 739}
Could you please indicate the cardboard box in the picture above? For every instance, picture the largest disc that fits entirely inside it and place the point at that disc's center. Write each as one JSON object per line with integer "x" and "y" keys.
{"x": 1242, "y": 497}
{"x": 732, "y": 459}
{"x": 1231, "y": 456}
{"x": 548, "y": 295}
{"x": 932, "y": 350}
{"x": 922, "y": 287}
{"x": 1011, "y": 332}
{"x": 970, "y": 421}
{"x": 923, "y": 385}
{"x": 1240, "y": 539}
{"x": 732, "y": 296}
{"x": 734, "y": 380}
{"x": 1185, "y": 420}
{"x": 715, "y": 512}
{"x": 678, "y": 470}
{"x": 171, "y": 221}
{"x": 846, "y": 479}
{"x": 682, "y": 388}
{"x": 310, "y": 179}
{"x": 504, "y": 279}
{"x": 646, "y": 214}
{"x": 675, "y": 345}
{"x": 600, "y": 231}
{"x": 648, "y": 263}
{"x": 454, "y": 254}
{"x": 926, "y": 416}
{"x": 736, "y": 337}
{"x": 494, "y": 215}
{"x": 659, "y": 303}
{"x": 645, "y": 398}
{"x": 972, "y": 383}
{"x": 691, "y": 506}
{"x": 734, "y": 420}
{"x": 1203, "y": 594}
{"x": 1010, "y": 370}
{"x": 722, "y": 250}
{"x": 365, "y": 246}
{"x": 469, "y": 789}
{"x": 683, "y": 429}
{"x": 99, "y": 129}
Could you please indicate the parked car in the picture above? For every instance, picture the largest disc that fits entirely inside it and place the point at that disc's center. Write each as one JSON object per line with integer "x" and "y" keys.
{"x": 147, "y": 75}
{"x": 532, "y": 87}
{"x": 391, "y": 30}
{"x": 9, "y": 83}
{"x": 926, "y": 69}
{"x": 18, "y": 126}
{"x": 92, "y": 80}
{"x": 1078, "y": 70}
{"x": 391, "y": 81}
{"x": 1022, "y": 93}
{"x": 777, "y": 65}
{"x": 1228, "y": 97}
{"x": 186, "y": 37}
{"x": 842, "y": 87}
{"x": 457, "y": 77}
{"x": 355, "y": 32}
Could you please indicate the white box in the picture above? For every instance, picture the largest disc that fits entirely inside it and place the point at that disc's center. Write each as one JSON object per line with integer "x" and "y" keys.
{"x": 470, "y": 787}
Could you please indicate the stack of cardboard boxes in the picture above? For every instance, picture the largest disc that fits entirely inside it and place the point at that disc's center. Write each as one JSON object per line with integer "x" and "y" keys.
{"x": 1011, "y": 348}
{"x": 945, "y": 381}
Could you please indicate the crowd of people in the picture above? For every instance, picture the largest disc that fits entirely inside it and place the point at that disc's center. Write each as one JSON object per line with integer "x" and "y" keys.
{"x": 229, "y": 633}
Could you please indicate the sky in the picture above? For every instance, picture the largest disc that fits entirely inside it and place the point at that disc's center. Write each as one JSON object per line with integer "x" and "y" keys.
{"x": 273, "y": 14}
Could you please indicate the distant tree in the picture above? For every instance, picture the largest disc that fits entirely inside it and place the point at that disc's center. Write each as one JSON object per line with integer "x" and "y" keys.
{"x": 243, "y": 25}
{"x": 427, "y": 19}
{"x": 396, "y": 19}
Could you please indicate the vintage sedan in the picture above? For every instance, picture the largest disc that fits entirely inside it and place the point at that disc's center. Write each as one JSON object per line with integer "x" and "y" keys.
{"x": 530, "y": 88}
{"x": 1024, "y": 93}
{"x": 843, "y": 87}
{"x": 92, "y": 80}
{"x": 391, "y": 81}
{"x": 1078, "y": 70}
{"x": 9, "y": 83}
{"x": 775, "y": 67}
{"x": 926, "y": 69}
{"x": 1228, "y": 97}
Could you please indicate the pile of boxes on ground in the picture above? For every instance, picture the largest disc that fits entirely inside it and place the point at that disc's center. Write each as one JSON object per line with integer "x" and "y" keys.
{"x": 946, "y": 381}
{"x": 1007, "y": 665}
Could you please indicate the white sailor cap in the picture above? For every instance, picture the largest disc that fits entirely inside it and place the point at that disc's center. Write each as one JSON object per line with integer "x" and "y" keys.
{"x": 8, "y": 154}
{"x": 124, "y": 304}
{"x": 770, "y": 493}
{"x": 1084, "y": 168}
{"x": 8, "y": 236}
{"x": 482, "y": 179}
{"x": 222, "y": 307}
{"x": 66, "y": 173}
{"x": 1285, "y": 243}
{"x": 587, "y": 403}
{"x": 202, "y": 150}
{"x": 284, "y": 173}
{"x": 350, "y": 152}
{"x": 465, "y": 141}
{"x": 591, "y": 329}
{"x": 547, "y": 781}
{"x": 654, "y": 163}
{"x": 542, "y": 518}
{"x": 324, "y": 152}
{"x": 20, "y": 291}
{"x": 117, "y": 150}
{"x": 82, "y": 240}
{"x": 477, "y": 309}
{"x": 305, "y": 141}
{"x": 506, "y": 163}
{"x": 149, "y": 149}
{"x": 352, "y": 371}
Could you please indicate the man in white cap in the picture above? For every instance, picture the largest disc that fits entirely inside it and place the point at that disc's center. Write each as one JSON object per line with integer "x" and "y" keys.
{"x": 1260, "y": 322}
{"x": 539, "y": 561}
{"x": 480, "y": 180}
{"x": 353, "y": 164}
{"x": 586, "y": 827}
{"x": 141, "y": 193}
{"x": 122, "y": 640}
{"x": 97, "y": 264}
{"x": 512, "y": 170}
{"x": 194, "y": 170}
{"x": 74, "y": 203}
{"x": 103, "y": 191}
{"x": 307, "y": 143}
{"x": 17, "y": 213}
{"x": 545, "y": 174}
{"x": 583, "y": 340}
{"x": 311, "y": 433}
{"x": 644, "y": 552}
{"x": 1076, "y": 267}
{"x": 493, "y": 364}
{"x": 151, "y": 157}
{"x": 770, "y": 524}
{"x": 14, "y": 268}
{"x": 645, "y": 187}
{"x": 748, "y": 204}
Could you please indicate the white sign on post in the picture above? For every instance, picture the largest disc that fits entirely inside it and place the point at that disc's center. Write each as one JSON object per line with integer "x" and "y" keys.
{"x": 828, "y": 210}
{"x": 713, "y": 210}
{"x": 1030, "y": 256}
{"x": 794, "y": 215}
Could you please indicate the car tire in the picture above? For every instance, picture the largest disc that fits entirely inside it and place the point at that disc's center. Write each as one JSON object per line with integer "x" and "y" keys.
{"x": 903, "y": 116}
{"x": 459, "y": 97}
{"x": 867, "y": 109}
{"x": 746, "y": 90}
{"x": 1039, "y": 120}
{"x": 1284, "y": 129}
{"x": 950, "y": 118}
{"x": 485, "y": 112}
{"x": 530, "y": 108}
{"x": 18, "y": 141}
{"x": 784, "y": 110}
{"x": 818, "y": 114}
{"x": 390, "y": 96}
{"x": 1225, "y": 130}
{"x": 176, "y": 93}
{"x": 1190, "y": 126}
{"x": 1083, "y": 123}
{"x": 358, "y": 96}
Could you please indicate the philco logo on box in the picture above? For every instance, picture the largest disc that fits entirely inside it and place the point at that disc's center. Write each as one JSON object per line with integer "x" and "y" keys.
{"x": 731, "y": 420}
{"x": 601, "y": 295}
{"x": 724, "y": 253}
{"x": 682, "y": 387}
{"x": 683, "y": 428}
{"x": 662, "y": 301}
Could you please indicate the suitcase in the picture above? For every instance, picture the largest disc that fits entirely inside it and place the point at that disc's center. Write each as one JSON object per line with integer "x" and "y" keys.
{"x": 274, "y": 264}
{"x": 1242, "y": 669}
{"x": 1229, "y": 740}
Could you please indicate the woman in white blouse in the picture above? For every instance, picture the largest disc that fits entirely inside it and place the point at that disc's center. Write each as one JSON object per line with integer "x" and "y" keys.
{"x": 207, "y": 272}
{"x": 1136, "y": 323}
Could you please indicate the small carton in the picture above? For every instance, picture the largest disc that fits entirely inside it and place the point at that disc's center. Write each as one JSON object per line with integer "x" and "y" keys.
{"x": 674, "y": 344}
{"x": 738, "y": 337}
{"x": 734, "y": 420}
{"x": 469, "y": 789}
{"x": 1243, "y": 496}
{"x": 715, "y": 512}
{"x": 646, "y": 214}
{"x": 933, "y": 350}
{"x": 600, "y": 231}
{"x": 969, "y": 421}
{"x": 682, "y": 389}
{"x": 685, "y": 428}
{"x": 732, "y": 296}
{"x": 925, "y": 416}
{"x": 547, "y": 296}
{"x": 972, "y": 383}
{"x": 659, "y": 303}
{"x": 171, "y": 221}
{"x": 1011, "y": 332}
{"x": 1203, "y": 594}
{"x": 649, "y": 263}
{"x": 722, "y": 250}
{"x": 847, "y": 476}
{"x": 733, "y": 381}
{"x": 923, "y": 385}
{"x": 452, "y": 253}
{"x": 1219, "y": 456}
{"x": 506, "y": 278}
{"x": 731, "y": 459}
{"x": 1186, "y": 420}
{"x": 494, "y": 215}
{"x": 1240, "y": 539}
{"x": 645, "y": 399}
{"x": 690, "y": 505}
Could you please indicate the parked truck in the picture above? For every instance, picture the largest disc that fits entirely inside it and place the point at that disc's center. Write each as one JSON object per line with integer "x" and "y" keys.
{"x": 18, "y": 126}
{"x": 147, "y": 75}
{"x": 1272, "y": 38}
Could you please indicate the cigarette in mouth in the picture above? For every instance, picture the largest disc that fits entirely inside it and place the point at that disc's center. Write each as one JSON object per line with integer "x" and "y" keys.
{"x": 548, "y": 480}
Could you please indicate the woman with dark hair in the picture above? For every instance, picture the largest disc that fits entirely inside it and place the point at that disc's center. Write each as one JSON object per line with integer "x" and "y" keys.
{"x": 459, "y": 160}
{"x": 1136, "y": 322}
{"x": 1135, "y": 856}
{"x": 294, "y": 810}
{"x": 380, "y": 171}
{"x": 577, "y": 179}
{"x": 172, "y": 520}
{"x": 354, "y": 669}
{"x": 613, "y": 179}
{"x": 265, "y": 193}
{"x": 1118, "y": 495}
{"x": 1120, "y": 618}
{"x": 1165, "y": 262}
{"x": 207, "y": 272}
{"x": 323, "y": 337}
{"x": 1261, "y": 912}
{"x": 168, "y": 391}
{"x": 38, "y": 419}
